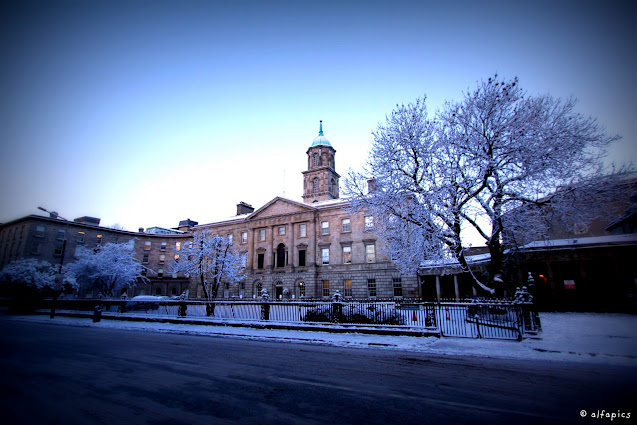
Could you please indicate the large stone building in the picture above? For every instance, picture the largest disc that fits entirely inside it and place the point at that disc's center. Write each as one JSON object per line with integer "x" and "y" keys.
{"x": 313, "y": 248}
{"x": 57, "y": 240}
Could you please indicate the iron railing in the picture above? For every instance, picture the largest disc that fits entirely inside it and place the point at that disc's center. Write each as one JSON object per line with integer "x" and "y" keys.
{"x": 470, "y": 319}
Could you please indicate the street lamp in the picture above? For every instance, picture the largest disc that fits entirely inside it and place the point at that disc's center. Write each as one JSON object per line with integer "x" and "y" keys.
{"x": 53, "y": 214}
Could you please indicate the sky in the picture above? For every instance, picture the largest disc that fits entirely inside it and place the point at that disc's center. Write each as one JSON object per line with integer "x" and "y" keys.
{"x": 144, "y": 113}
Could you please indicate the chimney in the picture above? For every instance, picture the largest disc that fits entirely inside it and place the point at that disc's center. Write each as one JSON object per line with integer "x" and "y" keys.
{"x": 243, "y": 208}
{"x": 371, "y": 185}
{"x": 141, "y": 230}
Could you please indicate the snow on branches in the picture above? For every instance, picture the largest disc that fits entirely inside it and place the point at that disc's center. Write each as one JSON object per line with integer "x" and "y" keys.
{"x": 31, "y": 272}
{"x": 109, "y": 269}
{"x": 212, "y": 259}
{"x": 489, "y": 163}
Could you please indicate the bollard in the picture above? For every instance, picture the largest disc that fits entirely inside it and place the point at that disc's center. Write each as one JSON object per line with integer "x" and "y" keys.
{"x": 97, "y": 313}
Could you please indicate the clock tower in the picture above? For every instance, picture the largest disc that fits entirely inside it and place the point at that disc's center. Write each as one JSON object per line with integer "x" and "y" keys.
{"x": 320, "y": 181}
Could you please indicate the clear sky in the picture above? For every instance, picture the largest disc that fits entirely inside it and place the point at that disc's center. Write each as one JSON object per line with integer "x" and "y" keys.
{"x": 144, "y": 113}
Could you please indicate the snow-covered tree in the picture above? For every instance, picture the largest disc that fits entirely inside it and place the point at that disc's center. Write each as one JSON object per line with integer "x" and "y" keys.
{"x": 210, "y": 258}
{"x": 493, "y": 163}
{"x": 108, "y": 269}
{"x": 31, "y": 272}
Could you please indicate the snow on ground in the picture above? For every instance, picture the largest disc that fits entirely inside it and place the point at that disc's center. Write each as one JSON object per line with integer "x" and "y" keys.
{"x": 580, "y": 337}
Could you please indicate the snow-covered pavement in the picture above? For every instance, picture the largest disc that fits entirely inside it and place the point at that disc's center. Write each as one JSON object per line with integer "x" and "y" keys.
{"x": 580, "y": 337}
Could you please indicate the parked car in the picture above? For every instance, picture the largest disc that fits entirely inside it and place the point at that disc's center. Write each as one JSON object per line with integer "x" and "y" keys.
{"x": 145, "y": 302}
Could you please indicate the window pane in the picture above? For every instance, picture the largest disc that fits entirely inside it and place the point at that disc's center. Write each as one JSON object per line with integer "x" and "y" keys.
{"x": 346, "y": 225}
{"x": 398, "y": 287}
{"x": 370, "y": 251}
{"x": 371, "y": 287}
{"x": 325, "y": 227}
{"x": 347, "y": 255}
{"x": 302, "y": 230}
{"x": 325, "y": 255}
{"x": 326, "y": 288}
{"x": 348, "y": 287}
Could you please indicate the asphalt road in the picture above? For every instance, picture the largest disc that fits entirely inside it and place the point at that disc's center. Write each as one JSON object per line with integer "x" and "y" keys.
{"x": 54, "y": 374}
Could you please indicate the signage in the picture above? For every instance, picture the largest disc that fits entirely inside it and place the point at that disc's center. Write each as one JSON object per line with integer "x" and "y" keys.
{"x": 569, "y": 284}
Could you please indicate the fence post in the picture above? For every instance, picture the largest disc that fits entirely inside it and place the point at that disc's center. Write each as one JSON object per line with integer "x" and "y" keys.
{"x": 478, "y": 326}
{"x": 265, "y": 311}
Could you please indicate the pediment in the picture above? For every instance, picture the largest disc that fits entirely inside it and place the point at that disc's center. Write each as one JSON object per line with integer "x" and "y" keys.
{"x": 280, "y": 207}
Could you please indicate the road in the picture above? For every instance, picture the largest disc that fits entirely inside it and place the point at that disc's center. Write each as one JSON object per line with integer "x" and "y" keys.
{"x": 55, "y": 374}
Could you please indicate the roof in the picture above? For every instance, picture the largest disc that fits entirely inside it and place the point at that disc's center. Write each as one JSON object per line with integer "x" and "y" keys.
{"x": 321, "y": 140}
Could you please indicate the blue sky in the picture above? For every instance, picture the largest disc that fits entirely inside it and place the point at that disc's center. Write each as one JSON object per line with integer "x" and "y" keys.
{"x": 144, "y": 113}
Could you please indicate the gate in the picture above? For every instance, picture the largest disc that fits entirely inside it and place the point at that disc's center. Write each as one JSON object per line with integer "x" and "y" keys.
{"x": 482, "y": 320}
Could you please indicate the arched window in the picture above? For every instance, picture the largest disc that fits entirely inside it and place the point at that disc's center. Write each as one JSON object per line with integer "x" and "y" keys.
{"x": 280, "y": 255}
{"x": 259, "y": 287}
{"x": 333, "y": 186}
{"x": 315, "y": 185}
{"x": 315, "y": 160}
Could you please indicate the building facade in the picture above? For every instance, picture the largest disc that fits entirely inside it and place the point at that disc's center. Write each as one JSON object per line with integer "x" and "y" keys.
{"x": 310, "y": 249}
{"x": 57, "y": 241}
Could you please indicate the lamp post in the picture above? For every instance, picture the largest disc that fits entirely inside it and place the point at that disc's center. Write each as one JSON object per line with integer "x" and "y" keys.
{"x": 53, "y": 214}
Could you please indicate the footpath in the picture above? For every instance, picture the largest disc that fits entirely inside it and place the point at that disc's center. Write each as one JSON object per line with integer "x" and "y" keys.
{"x": 604, "y": 338}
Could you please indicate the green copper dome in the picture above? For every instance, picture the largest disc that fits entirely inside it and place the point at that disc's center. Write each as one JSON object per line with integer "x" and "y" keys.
{"x": 321, "y": 140}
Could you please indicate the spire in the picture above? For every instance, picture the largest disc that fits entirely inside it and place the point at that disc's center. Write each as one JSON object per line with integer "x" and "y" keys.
{"x": 321, "y": 128}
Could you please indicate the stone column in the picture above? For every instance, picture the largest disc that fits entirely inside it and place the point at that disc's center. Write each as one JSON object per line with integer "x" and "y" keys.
{"x": 455, "y": 286}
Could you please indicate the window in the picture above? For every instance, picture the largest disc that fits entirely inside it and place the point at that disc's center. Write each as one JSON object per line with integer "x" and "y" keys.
{"x": 147, "y": 246}
{"x": 61, "y": 235}
{"x": 145, "y": 259}
{"x": 244, "y": 237}
{"x": 230, "y": 239}
{"x": 369, "y": 222}
{"x": 39, "y": 231}
{"x": 99, "y": 239}
{"x": 261, "y": 234}
{"x": 260, "y": 260}
{"x": 281, "y": 256}
{"x": 371, "y": 287}
{"x": 176, "y": 257}
{"x": 301, "y": 258}
{"x": 347, "y": 227}
{"x": 398, "y": 287}
{"x": 162, "y": 259}
{"x": 59, "y": 247}
{"x": 347, "y": 255}
{"x": 370, "y": 253}
{"x": 315, "y": 185}
{"x": 326, "y": 288}
{"x": 302, "y": 230}
{"x": 325, "y": 227}
{"x": 160, "y": 273}
{"x": 162, "y": 246}
{"x": 35, "y": 248}
{"x": 325, "y": 255}
{"x": 281, "y": 230}
{"x": 302, "y": 289}
{"x": 177, "y": 246}
{"x": 81, "y": 236}
{"x": 315, "y": 160}
{"x": 348, "y": 287}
